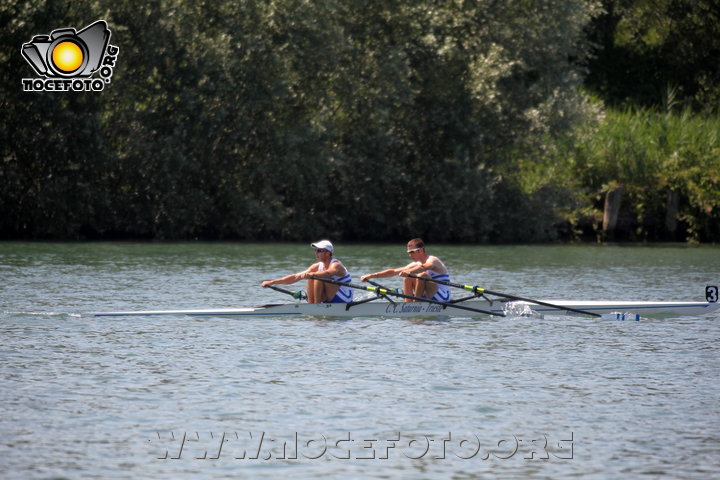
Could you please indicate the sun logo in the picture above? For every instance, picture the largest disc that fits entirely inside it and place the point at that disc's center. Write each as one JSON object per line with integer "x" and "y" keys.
{"x": 67, "y": 57}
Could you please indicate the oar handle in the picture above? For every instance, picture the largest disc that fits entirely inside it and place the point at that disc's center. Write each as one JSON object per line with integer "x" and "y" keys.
{"x": 479, "y": 290}
{"x": 383, "y": 286}
{"x": 387, "y": 291}
{"x": 299, "y": 295}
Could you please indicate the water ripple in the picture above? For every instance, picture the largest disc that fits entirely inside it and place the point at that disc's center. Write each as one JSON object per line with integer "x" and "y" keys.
{"x": 108, "y": 398}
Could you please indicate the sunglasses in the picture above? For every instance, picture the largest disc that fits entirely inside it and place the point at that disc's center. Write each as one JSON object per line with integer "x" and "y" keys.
{"x": 320, "y": 250}
{"x": 410, "y": 252}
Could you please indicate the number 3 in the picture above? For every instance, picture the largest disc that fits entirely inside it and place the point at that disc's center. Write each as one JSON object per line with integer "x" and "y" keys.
{"x": 711, "y": 293}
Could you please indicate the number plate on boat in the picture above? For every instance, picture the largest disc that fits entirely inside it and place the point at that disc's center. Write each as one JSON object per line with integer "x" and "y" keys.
{"x": 711, "y": 293}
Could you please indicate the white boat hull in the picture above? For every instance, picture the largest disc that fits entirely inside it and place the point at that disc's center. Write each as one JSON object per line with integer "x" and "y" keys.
{"x": 609, "y": 310}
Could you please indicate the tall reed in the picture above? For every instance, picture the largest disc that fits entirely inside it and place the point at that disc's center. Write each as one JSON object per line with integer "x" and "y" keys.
{"x": 668, "y": 163}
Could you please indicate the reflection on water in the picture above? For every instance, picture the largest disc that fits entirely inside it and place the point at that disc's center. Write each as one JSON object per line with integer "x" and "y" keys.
{"x": 177, "y": 397}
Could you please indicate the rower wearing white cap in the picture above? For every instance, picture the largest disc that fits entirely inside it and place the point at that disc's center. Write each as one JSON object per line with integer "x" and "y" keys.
{"x": 326, "y": 267}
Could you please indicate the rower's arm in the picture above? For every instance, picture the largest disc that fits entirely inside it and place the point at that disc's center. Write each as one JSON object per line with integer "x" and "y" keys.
{"x": 432, "y": 263}
{"x": 286, "y": 280}
{"x": 414, "y": 267}
{"x": 390, "y": 272}
{"x": 292, "y": 278}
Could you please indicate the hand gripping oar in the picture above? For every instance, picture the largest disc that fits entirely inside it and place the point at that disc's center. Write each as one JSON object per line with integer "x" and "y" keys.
{"x": 479, "y": 290}
{"x": 386, "y": 291}
{"x": 396, "y": 290}
{"x": 297, "y": 295}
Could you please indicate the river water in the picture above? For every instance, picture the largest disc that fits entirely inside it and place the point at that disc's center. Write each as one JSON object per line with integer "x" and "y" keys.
{"x": 177, "y": 397}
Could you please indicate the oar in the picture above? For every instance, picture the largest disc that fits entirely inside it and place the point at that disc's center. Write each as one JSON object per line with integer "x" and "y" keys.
{"x": 387, "y": 291}
{"x": 379, "y": 285}
{"x": 298, "y": 295}
{"x": 478, "y": 290}
{"x": 384, "y": 287}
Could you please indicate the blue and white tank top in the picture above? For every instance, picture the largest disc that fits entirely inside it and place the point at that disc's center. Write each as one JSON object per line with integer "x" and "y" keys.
{"x": 443, "y": 293}
{"x": 344, "y": 294}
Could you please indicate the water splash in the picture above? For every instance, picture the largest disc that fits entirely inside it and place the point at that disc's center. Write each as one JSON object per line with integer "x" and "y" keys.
{"x": 519, "y": 309}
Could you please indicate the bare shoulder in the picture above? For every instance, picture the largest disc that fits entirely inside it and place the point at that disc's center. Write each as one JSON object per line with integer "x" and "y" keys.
{"x": 436, "y": 264}
{"x": 337, "y": 266}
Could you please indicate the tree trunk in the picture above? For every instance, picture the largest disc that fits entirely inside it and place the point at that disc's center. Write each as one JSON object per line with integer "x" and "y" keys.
{"x": 671, "y": 210}
{"x": 611, "y": 211}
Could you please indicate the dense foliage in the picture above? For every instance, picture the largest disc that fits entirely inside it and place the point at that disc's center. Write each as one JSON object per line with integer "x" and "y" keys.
{"x": 664, "y": 164}
{"x": 355, "y": 119}
{"x": 646, "y": 47}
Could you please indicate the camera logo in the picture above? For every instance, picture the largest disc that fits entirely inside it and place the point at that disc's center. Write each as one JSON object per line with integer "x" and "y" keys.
{"x": 67, "y": 59}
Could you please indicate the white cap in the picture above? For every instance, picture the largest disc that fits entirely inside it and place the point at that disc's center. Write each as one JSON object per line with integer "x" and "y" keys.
{"x": 325, "y": 244}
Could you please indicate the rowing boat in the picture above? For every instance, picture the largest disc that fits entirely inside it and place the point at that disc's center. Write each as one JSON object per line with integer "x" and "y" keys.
{"x": 620, "y": 310}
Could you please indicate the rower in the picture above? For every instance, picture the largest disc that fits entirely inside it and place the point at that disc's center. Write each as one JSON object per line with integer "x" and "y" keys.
{"x": 423, "y": 266}
{"x": 326, "y": 267}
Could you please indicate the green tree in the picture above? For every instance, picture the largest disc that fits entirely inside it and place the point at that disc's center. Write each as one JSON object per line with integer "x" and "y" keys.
{"x": 644, "y": 47}
{"x": 284, "y": 119}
